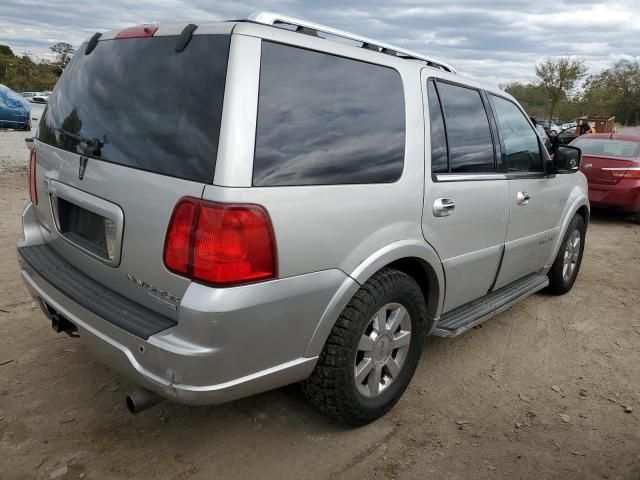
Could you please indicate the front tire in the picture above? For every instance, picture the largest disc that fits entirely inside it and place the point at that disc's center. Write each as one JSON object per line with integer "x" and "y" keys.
{"x": 565, "y": 268}
{"x": 372, "y": 351}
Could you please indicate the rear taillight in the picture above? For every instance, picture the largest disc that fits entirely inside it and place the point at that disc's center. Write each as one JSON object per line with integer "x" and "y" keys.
{"x": 632, "y": 173}
{"x": 33, "y": 193}
{"x": 141, "y": 31}
{"x": 220, "y": 244}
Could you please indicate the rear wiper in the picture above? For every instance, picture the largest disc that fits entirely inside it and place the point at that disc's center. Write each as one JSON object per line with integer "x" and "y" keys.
{"x": 89, "y": 146}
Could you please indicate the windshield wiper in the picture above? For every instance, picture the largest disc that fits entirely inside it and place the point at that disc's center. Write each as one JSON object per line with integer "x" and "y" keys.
{"x": 88, "y": 146}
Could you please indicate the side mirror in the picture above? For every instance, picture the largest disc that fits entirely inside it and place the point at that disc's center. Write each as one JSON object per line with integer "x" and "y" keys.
{"x": 566, "y": 159}
{"x": 29, "y": 142}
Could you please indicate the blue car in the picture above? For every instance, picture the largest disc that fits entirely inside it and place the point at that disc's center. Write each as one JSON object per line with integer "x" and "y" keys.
{"x": 15, "y": 111}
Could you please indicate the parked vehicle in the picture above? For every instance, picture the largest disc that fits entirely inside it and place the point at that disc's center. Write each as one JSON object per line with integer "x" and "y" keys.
{"x": 302, "y": 233}
{"x": 548, "y": 126}
{"x": 612, "y": 167}
{"x": 14, "y": 110}
{"x": 41, "y": 97}
{"x": 546, "y": 141}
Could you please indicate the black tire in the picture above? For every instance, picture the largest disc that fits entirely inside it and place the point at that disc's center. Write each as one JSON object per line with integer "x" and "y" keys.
{"x": 332, "y": 385}
{"x": 558, "y": 283}
{"x": 635, "y": 218}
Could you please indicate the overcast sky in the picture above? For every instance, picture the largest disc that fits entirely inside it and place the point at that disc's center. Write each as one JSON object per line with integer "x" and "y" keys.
{"x": 495, "y": 41}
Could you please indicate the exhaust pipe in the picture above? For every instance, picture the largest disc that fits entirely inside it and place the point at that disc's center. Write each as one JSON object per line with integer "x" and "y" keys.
{"x": 141, "y": 399}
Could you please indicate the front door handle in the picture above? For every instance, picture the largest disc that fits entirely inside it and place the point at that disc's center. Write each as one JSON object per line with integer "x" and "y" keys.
{"x": 523, "y": 198}
{"x": 443, "y": 207}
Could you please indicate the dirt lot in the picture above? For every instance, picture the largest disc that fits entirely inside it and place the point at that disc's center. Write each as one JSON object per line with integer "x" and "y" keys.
{"x": 538, "y": 392}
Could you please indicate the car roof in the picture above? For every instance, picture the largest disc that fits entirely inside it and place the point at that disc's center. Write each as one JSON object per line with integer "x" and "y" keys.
{"x": 251, "y": 27}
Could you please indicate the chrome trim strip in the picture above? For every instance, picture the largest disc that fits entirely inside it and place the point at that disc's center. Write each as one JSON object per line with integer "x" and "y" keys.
{"x": 469, "y": 177}
{"x": 270, "y": 18}
{"x": 525, "y": 175}
{"x": 635, "y": 169}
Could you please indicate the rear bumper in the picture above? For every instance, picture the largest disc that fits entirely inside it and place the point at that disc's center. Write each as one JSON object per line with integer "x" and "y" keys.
{"x": 228, "y": 343}
{"x": 624, "y": 195}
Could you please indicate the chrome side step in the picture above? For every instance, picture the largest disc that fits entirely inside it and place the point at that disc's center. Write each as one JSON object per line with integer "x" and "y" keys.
{"x": 463, "y": 318}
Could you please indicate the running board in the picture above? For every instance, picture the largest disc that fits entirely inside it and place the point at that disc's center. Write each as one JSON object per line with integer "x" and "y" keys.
{"x": 467, "y": 316}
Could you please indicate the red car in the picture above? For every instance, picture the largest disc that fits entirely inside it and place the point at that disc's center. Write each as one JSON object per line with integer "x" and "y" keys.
{"x": 611, "y": 163}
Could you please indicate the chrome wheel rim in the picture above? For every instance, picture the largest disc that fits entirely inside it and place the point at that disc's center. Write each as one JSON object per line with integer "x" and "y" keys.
{"x": 571, "y": 255}
{"x": 382, "y": 350}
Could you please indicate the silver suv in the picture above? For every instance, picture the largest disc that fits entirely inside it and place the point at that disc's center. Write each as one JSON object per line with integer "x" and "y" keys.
{"x": 226, "y": 208}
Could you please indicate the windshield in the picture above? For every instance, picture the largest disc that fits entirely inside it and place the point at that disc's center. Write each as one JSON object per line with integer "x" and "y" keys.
{"x": 138, "y": 103}
{"x": 608, "y": 148}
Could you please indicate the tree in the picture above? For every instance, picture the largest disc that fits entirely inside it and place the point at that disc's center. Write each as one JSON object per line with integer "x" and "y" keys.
{"x": 558, "y": 78}
{"x": 626, "y": 79}
{"x": 24, "y": 73}
{"x": 64, "y": 51}
{"x": 531, "y": 97}
{"x": 615, "y": 91}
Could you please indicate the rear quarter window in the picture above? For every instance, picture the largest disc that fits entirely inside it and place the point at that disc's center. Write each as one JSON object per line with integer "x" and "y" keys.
{"x": 324, "y": 119}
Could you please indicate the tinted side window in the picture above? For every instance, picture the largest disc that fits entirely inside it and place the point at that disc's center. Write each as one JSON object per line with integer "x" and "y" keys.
{"x": 468, "y": 131}
{"x": 324, "y": 119}
{"x": 520, "y": 140}
{"x": 439, "y": 160}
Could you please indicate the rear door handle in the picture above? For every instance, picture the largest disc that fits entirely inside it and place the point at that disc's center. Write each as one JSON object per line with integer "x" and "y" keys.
{"x": 443, "y": 207}
{"x": 523, "y": 198}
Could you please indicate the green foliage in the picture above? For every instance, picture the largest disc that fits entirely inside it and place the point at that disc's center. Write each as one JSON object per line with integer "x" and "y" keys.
{"x": 5, "y": 51}
{"x": 612, "y": 92}
{"x": 22, "y": 73}
{"x": 531, "y": 97}
{"x": 558, "y": 78}
{"x": 615, "y": 91}
{"x": 64, "y": 51}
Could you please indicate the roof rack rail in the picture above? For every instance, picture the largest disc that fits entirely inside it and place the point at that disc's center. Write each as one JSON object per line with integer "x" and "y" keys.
{"x": 304, "y": 26}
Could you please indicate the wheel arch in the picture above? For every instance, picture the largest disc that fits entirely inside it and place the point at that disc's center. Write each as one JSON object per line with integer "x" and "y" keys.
{"x": 417, "y": 259}
{"x": 579, "y": 206}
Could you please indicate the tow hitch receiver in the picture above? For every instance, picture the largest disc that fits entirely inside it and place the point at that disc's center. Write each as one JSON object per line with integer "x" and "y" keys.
{"x": 61, "y": 324}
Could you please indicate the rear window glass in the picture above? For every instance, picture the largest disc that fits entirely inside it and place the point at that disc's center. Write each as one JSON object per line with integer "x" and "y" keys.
{"x": 609, "y": 148}
{"x": 138, "y": 103}
{"x": 324, "y": 119}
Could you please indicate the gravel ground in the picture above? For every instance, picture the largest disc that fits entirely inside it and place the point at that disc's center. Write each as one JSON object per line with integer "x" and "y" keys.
{"x": 14, "y": 157}
{"x": 540, "y": 392}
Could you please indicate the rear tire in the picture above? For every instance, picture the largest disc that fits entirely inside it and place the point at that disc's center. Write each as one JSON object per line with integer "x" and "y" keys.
{"x": 566, "y": 266}
{"x": 367, "y": 363}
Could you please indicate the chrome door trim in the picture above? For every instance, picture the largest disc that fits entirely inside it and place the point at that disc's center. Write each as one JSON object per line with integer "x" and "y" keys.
{"x": 468, "y": 177}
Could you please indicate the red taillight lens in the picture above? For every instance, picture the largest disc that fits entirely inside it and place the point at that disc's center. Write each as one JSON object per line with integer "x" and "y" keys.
{"x": 633, "y": 173}
{"x": 220, "y": 244}
{"x": 140, "y": 31}
{"x": 177, "y": 247}
{"x": 33, "y": 193}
